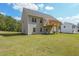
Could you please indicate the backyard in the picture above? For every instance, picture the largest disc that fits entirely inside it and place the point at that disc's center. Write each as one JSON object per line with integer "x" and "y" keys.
{"x": 16, "y": 44}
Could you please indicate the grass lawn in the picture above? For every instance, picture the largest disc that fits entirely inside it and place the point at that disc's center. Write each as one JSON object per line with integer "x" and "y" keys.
{"x": 12, "y": 43}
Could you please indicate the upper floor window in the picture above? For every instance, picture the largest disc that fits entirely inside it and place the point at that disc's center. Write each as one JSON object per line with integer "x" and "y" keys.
{"x": 41, "y": 21}
{"x": 33, "y": 19}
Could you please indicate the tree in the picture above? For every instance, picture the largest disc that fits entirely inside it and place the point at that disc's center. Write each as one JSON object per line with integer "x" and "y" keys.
{"x": 7, "y": 23}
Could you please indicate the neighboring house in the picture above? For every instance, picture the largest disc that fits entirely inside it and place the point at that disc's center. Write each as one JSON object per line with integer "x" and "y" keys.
{"x": 69, "y": 28}
{"x": 34, "y": 22}
{"x": 78, "y": 27}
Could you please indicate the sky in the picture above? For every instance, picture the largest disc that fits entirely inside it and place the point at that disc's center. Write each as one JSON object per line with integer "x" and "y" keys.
{"x": 64, "y": 12}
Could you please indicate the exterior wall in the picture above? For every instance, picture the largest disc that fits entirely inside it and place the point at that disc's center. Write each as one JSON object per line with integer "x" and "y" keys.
{"x": 24, "y": 21}
{"x": 68, "y": 28}
{"x": 36, "y": 25}
{"x": 76, "y": 30}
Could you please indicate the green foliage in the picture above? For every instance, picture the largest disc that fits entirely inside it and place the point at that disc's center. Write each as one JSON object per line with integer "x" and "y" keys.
{"x": 7, "y": 23}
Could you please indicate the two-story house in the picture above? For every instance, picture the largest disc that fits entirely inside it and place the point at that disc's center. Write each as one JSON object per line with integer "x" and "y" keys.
{"x": 34, "y": 22}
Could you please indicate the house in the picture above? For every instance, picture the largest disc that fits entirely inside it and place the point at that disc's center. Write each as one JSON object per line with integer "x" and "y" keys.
{"x": 78, "y": 26}
{"x": 34, "y": 22}
{"x": 69, "y": 28}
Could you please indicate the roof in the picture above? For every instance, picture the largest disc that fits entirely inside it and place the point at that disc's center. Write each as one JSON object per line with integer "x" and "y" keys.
{"x": 69, "y": 23}
{"x": 51, "y": 23}
{"x": 38, "y": 14}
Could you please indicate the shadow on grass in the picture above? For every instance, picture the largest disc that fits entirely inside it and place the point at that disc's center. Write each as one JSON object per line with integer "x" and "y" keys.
{"x": 48, "y": 33}
{"x": 12, "y": 34}
{"x": 21, "y": 34}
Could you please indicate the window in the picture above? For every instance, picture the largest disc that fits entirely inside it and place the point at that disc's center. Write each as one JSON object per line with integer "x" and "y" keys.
{"x": 34, "y": 29}
{"x": 46, "y": 30}
{"x": 40, "y": 20}
{"x": 33, "y": 19}
{"x": 40, "y": 29}
{"x": 64, "y": 26}
{"x": 73, "y": 26}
